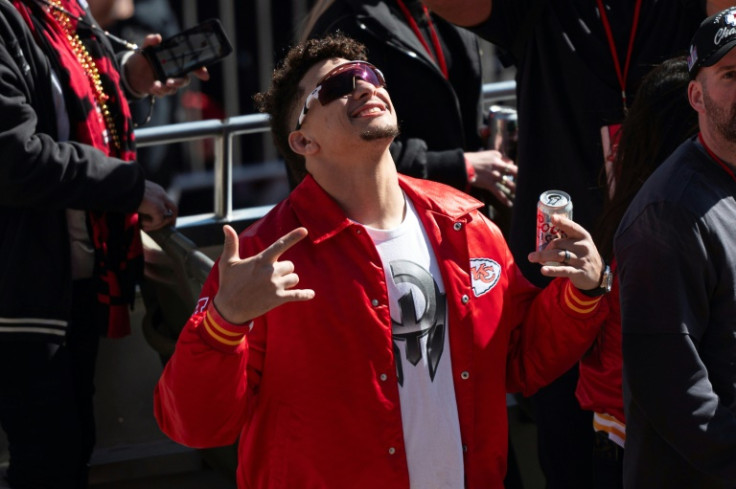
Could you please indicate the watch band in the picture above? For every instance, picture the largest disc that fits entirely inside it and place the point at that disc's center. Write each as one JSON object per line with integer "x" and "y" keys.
{"x": 604, "y": 285}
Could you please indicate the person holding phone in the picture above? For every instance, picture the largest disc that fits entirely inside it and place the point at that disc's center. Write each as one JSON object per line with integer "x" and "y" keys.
{"x": 72, "y": 203}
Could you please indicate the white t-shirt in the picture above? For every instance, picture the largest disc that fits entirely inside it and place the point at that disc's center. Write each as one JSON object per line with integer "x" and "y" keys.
{"x": 422, "y": 353}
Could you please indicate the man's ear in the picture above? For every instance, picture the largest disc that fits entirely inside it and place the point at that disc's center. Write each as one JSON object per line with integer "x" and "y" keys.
{"x": 301, "y": 144}
{"x": 695, "y": 96}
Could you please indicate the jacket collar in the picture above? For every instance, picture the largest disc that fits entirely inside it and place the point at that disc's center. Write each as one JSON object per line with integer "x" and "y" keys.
{"x": 324, "y": 218}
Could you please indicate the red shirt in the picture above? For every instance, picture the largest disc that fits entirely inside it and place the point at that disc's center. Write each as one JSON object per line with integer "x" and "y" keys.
{"x": 311, "y": 389}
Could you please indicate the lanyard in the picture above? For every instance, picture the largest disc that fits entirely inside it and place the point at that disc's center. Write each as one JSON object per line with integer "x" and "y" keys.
{"x": 715, "y": 157}
{"x": 621, "y": 74}
{"x": 440, "y": 59}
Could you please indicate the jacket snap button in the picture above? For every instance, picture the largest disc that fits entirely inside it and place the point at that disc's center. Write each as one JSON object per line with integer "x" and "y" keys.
{"x": 458, "y": 226}
{"x": 465, "y": 299}
{"x": 383, "y": 377}
{"x": 374, "y": 302}
{"x": 465, "y": 375}
{"x": 391, "y": 451}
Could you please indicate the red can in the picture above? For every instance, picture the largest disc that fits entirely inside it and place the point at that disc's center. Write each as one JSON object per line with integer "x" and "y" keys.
{"x": 551, "y": 202}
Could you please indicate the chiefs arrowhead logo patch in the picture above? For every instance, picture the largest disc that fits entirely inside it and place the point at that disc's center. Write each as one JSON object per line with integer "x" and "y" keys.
{"x": 201, "y": 305}
{"x": 484, "y": 275}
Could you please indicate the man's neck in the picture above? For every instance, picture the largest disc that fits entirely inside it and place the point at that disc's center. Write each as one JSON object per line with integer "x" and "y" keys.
{"x": 367, "y": 190}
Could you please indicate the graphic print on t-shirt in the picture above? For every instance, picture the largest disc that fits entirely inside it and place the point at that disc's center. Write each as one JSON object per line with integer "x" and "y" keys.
{"x": 408, "y": 333}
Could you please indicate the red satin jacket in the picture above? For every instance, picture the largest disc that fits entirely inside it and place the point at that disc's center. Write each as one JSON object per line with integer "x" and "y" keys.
{"x": 310, "y": 390}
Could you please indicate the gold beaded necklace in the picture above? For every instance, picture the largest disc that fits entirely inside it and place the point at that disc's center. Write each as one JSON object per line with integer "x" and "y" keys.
{"x": 89, "y": 66}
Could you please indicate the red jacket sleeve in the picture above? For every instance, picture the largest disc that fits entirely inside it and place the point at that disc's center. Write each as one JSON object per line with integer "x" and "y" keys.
{"x": 555, "y": 328}
{"x": 202, "y": 397}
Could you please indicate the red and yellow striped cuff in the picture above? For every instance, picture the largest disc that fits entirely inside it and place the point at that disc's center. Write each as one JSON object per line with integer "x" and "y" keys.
{"x": 221, "y": 331}
{"x": 579, "y": 302}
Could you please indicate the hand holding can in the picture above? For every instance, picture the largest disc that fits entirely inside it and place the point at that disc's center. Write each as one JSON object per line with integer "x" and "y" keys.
{"x": 570, "y": 253}
{"x": 551, "y": 202}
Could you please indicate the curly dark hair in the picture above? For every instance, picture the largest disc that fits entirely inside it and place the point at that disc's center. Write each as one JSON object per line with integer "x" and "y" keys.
{"x": 280, "y": 100}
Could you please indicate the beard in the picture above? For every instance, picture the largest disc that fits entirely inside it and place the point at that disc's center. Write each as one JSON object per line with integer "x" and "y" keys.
{"x": 388, "y": 131}
{"x": 722, "y": 118}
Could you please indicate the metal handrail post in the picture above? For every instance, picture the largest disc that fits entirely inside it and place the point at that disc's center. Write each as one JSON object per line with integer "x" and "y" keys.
{"x": 223, "y": 191}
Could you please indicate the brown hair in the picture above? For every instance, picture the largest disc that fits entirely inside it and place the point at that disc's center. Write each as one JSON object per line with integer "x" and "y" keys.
{"x": 280, "y": 100}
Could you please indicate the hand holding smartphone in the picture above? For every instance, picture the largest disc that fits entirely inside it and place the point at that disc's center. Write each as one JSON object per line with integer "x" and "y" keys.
{"x": 193, "y": 48}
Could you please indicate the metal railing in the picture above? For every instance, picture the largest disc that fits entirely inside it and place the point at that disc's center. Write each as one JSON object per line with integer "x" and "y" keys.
{"x": 202, "y": 228}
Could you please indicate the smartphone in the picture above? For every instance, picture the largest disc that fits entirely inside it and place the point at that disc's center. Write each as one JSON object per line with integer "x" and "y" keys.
{"x": 198, "y": 46}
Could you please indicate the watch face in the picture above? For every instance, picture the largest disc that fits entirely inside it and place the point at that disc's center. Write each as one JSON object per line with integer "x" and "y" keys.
{"x": 607, "y": 281}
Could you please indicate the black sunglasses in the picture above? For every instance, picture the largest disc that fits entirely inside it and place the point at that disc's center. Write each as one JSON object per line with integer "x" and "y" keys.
{"x": 341, "y": 81}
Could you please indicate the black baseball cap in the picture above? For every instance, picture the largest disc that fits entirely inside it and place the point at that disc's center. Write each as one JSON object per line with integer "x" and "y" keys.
{"x": 715, "y": 37}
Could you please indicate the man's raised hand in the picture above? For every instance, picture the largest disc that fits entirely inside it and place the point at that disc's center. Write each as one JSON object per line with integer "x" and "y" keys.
{"x": 576, "y": 256}
{"x": 253, "y": 286}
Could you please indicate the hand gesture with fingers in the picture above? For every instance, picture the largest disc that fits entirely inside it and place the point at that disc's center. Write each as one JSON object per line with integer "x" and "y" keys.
{"x": 576, "y": 254}
{"x": 252, "y": 286}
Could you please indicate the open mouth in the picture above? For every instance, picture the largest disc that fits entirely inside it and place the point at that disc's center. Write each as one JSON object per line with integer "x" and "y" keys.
{"x": 369, "y": 110}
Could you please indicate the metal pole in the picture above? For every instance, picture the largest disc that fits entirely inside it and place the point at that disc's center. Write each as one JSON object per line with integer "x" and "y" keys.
{"x": 265, "y": 61}
{"x": 230, "y": 64}
{"x": 189, "y": 13}
{"x": 230, "y": 78}
{"x": 299, "y": 13}
{"x": 223, "y": 191}
{"x": 195, "y": 155}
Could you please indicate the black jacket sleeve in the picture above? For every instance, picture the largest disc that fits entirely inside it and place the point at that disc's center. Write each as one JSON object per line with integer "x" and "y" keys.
{"x": 36, "y": 171}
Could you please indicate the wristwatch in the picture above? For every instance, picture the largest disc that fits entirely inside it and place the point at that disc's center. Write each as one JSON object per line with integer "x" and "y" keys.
{"x": 604, "y": 286}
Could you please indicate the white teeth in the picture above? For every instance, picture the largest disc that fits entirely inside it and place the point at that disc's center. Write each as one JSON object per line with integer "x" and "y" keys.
{"x": 371, "y": 110}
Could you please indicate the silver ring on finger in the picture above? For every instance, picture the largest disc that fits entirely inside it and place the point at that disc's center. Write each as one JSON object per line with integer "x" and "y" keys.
{"x": 566, "y": 260}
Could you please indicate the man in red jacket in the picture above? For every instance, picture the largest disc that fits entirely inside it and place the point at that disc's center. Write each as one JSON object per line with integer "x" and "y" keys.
{"x": 389, "y": 368}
